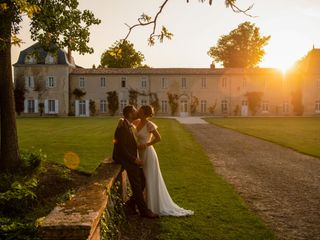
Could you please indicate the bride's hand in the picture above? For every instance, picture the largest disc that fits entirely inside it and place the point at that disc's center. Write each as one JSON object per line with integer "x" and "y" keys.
{"x": 142, "y": 146}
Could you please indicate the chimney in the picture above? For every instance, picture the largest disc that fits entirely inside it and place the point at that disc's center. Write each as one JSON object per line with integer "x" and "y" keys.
{"x": 69, "y": 55}
{"x": 212, "y": 65}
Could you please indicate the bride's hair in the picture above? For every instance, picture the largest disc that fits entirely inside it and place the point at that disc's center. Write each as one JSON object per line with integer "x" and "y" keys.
{"x": 147, "y": 110}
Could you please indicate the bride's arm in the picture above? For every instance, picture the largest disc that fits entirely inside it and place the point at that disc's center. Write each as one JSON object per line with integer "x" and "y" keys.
{"x": 156, "y": 138}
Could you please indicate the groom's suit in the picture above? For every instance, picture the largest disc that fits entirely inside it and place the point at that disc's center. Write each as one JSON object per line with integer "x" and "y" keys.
{"x": 125, "y": 153}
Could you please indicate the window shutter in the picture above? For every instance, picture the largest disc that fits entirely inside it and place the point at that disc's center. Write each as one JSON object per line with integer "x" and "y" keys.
{"x": 56, "y": 103}
{"x": 87, "y": 108}
{"x": 46, "y": 110}
{"x": 25, "y": 106}
{"x": 54, "y": 82}
{"x": 47, "y": 82}
{"x": 36, "y": 106}
{"x": 77, "y": 108}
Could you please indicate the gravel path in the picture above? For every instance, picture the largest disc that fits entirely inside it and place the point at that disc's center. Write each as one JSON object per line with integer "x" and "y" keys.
{"x": 281, "y": 185}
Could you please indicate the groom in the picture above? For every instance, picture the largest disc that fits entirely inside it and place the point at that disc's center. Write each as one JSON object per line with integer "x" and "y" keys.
{"x": 125, "y": 153}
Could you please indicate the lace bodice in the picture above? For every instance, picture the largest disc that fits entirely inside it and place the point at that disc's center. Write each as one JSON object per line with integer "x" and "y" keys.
{"x": 144, "y": 135}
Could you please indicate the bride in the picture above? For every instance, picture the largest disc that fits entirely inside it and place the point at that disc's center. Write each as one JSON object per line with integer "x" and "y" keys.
{"x": 158, "y": 198}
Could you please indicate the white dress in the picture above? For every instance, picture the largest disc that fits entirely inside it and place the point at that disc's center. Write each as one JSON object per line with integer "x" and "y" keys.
{"x": 158, "y": 198}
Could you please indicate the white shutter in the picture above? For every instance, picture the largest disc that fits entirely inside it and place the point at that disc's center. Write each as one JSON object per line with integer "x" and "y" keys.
{"x": 36, "y": 106}
{"x": 87, "y": 108}
{"x": 77, "y": 108}
{"x": 46, "y": 106}
{"x": 56, "y": 106}
{"x": 25, "y": 106}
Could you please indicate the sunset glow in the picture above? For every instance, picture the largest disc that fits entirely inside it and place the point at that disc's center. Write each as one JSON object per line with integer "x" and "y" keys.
{"x": 292, "y": 25}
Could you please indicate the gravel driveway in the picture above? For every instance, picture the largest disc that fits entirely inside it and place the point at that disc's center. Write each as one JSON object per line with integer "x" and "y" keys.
{"x": 281, "y": 185}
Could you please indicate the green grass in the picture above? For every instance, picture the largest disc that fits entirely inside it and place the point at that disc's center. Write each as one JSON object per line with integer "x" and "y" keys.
{"x": 190, "y": 178}
{"x": 89, "y": 138}
{"x": 300, "y": 134}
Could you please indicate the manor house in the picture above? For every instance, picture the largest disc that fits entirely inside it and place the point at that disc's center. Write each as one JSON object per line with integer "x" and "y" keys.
{"x": 55, "y": 85}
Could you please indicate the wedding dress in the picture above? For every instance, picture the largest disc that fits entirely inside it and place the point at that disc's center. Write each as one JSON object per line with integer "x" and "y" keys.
{"x": 158, "y": 197}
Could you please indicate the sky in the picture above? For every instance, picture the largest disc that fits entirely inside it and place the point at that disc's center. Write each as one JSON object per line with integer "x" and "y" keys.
{"x": 292, "y": 24}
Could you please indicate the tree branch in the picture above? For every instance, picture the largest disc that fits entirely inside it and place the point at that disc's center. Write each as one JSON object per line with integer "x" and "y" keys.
{"x": 145, "y": 20}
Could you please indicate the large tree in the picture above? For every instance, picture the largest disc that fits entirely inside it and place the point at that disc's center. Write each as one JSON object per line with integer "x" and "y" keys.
{"x": 242, "y": 47}
{"x": 55, "y": 24}
{"x": 122, "y": 55}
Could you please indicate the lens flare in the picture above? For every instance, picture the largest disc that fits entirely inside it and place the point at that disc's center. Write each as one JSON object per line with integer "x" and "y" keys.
{"x": 71, "y": 160}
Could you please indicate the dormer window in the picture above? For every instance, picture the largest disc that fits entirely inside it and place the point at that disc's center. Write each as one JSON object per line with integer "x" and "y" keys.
{"x": 51, "y": 59}
{"x": 30, "y": 59}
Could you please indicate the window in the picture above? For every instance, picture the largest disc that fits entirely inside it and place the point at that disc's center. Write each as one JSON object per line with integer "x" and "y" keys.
{"x": 183, "y": 83}
{"x": 52, "y": 106}
{"x": 51, "y": 82}
{"x": 82, "y": 82}
{"x": 163, "y": 83}
{"x": 30, "y": 59}
{"x": 123, "y": 103}
{"x": 164, "y": 106}
{"x": 244, "y": 103}
{"x": 285, "y": 107}
{"x": 203, "y": 83}
{"x": 317, "y": 106}
{"x": 224, "y": 106}
{"x": 82, "y": 108}
{"x": 203, "y": 106}
{"x": 265, "y": 106}
{"x": 50, "y": 59}
{"x": 123, "y": 82}
{"x": 265, "y": 84}
{"x": 31, "y": 106}
{"x": 244, "y": 83}
{"x": 103, "y": 82}
{"x": 143, "y": 83}
{"x": 224, "y": 82}
{"x": 143, "y": 102}
{"x": 103, "y": 106}
{"x": 29, "y": 82}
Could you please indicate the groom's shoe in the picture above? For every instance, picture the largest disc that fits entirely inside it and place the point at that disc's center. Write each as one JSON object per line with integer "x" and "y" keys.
{"x": 150, "y": 214}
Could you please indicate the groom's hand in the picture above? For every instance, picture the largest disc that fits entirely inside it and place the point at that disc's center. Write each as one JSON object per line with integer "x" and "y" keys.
{"x": 138, "y": 161}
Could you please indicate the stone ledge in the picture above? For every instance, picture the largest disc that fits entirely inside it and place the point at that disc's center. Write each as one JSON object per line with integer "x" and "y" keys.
{"x": 79, "y": 217}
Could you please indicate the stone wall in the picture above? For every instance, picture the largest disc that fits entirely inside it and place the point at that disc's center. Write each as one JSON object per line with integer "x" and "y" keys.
{"x": 79, "y": 217}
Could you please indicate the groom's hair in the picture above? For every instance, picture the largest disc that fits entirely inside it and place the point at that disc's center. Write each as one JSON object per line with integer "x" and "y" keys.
{"x": 127, "y": 110}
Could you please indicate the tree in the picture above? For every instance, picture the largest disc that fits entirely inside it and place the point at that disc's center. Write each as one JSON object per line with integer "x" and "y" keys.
{"x": 194, "y": 104}
{"x": 19, "y": 94}
{"x": 122, "y": 55}
{"x": 254, "y": 100}
{"x": 113, "y": 102}
{"x": 173, "y": 102}
{"x": 242, "y": 47}
{"x": 55, "y": 24}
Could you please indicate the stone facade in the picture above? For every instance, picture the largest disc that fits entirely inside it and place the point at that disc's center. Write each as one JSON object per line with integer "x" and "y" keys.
{"x": 217, "y": 91}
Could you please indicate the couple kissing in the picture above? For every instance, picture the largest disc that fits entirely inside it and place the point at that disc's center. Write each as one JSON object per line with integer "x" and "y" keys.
{"x": 134, "y": 138}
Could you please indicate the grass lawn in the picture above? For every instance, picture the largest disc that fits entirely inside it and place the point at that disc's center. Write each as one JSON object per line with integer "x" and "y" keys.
{"x": 89, "y": 138}
{"x": 300, "y": 134}
{"x": 219, "y": 212}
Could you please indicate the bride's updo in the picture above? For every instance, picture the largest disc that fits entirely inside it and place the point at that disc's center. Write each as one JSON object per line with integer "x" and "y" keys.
{"x": 147, "y": 110}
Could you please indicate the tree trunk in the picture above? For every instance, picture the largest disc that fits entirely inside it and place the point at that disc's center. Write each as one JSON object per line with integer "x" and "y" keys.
{"x": 9, "y": 157}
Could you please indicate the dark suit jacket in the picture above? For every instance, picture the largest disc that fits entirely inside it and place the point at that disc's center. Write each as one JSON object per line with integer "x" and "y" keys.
{"x": 125, "y": 146}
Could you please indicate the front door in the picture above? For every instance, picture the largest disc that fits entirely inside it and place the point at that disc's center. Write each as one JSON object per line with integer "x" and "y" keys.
{"x": 183, "y": 108}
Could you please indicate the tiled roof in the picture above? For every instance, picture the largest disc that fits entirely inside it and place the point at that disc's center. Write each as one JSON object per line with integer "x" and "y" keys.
{"x": 171, "y": 71}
